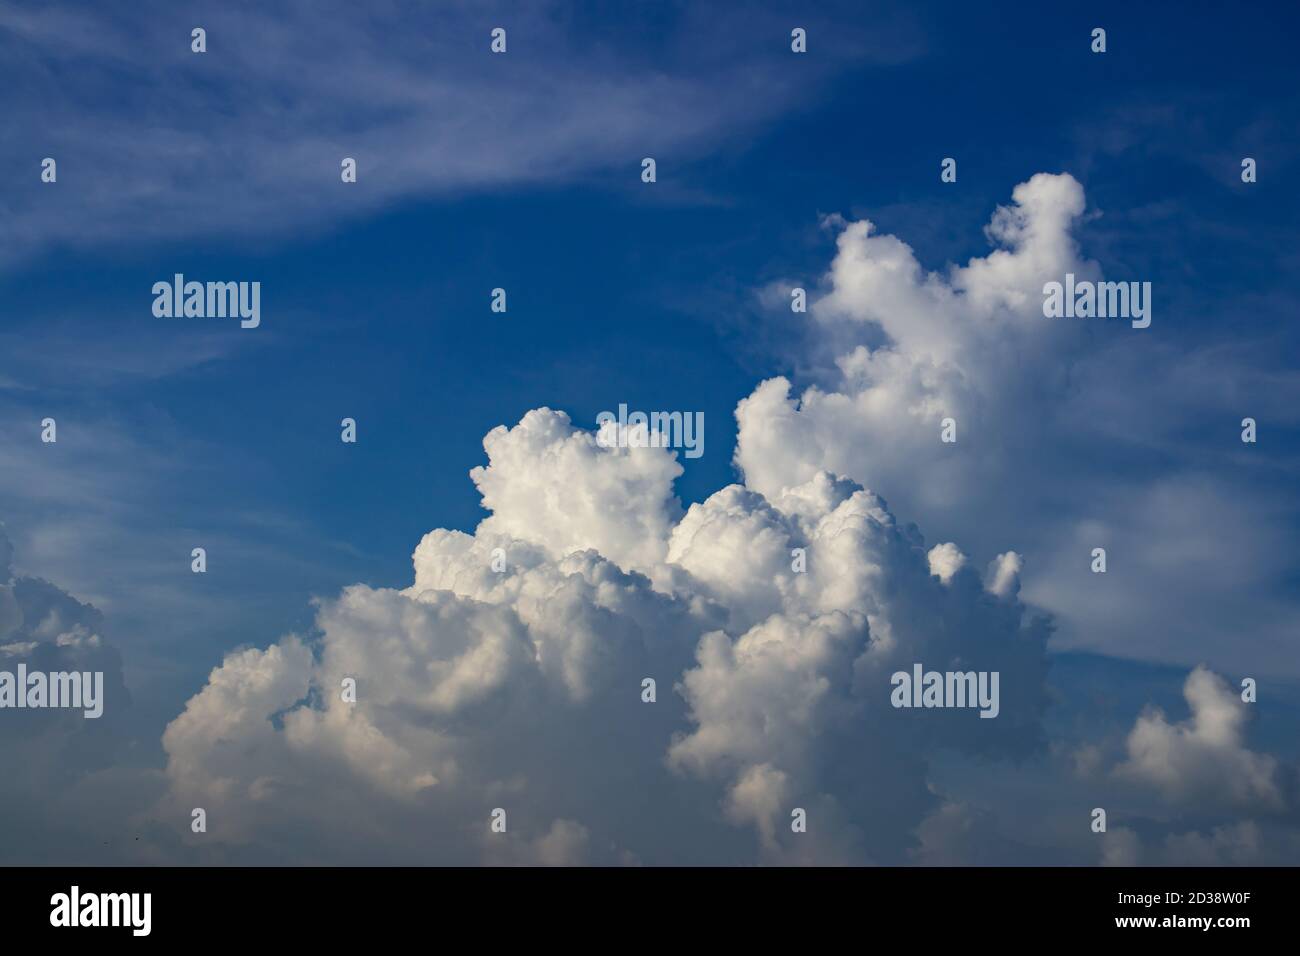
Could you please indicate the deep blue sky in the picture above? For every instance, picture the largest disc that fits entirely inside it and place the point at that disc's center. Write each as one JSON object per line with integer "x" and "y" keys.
{"x": 618, "y": 292}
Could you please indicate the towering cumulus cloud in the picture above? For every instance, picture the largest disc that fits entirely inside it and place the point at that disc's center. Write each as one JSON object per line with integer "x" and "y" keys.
{"x": 523, "y": 688}
{"x": 514, "y": 673}
{"x": 1067, "y": 434}
{"x": 912, "y": 348}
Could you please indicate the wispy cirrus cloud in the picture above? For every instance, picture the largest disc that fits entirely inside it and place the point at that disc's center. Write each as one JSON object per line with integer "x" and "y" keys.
{"x": 247, "y": 138}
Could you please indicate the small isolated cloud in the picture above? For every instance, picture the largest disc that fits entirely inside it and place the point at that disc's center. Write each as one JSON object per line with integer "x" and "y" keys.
{"x": 1203, "y": 758}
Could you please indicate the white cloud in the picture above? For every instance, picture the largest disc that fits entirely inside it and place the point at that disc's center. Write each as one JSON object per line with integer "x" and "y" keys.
{"x": 1070, "y": 434}
{"x": 249, "y": 136}
{"x": 945, "y": 561}
{"x": 555, "y": 487}
{"x": 521, "y": 689}
{"x": 917, "y": 347}
{"x": 1004, "y": 574}
{"x": 1204, "y": 758}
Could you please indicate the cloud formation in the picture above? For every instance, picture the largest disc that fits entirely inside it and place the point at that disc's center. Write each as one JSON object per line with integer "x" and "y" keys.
{"x": 1058, "y": 449}
{"x": 249, "y": 136}
{"x": 510, "y": 674}
{"x": 1203, "y": 758}
{"x": 54, "y": 755}
{"x": 523, "y": 689}
{"x": 513, "y": 671}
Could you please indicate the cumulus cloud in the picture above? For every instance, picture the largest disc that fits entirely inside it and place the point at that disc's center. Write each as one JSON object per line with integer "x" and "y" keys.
{"x": 945, "y": 561}
{"x": 509, "y": 674}
{"x": 557, "y": 488}
{"x": 1204, "y": 757}
{"x": 1057, "y": 450}
{"x": 913, "y": 348}
{"x": 1004, "y": 574}
{"x": 768, "y": 618}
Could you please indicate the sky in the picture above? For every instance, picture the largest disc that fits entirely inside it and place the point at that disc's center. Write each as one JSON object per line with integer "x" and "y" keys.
{"x": 521, "y": 689}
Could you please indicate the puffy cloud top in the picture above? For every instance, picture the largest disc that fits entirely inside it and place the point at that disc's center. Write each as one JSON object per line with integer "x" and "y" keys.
{"x": 511, "y": 673}
{"x": 633, "y": 682}
{"x": 1203, "y": 758}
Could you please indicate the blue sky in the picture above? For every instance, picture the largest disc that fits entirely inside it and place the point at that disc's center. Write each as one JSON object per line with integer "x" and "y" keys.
{"x": 522, "y": 172}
